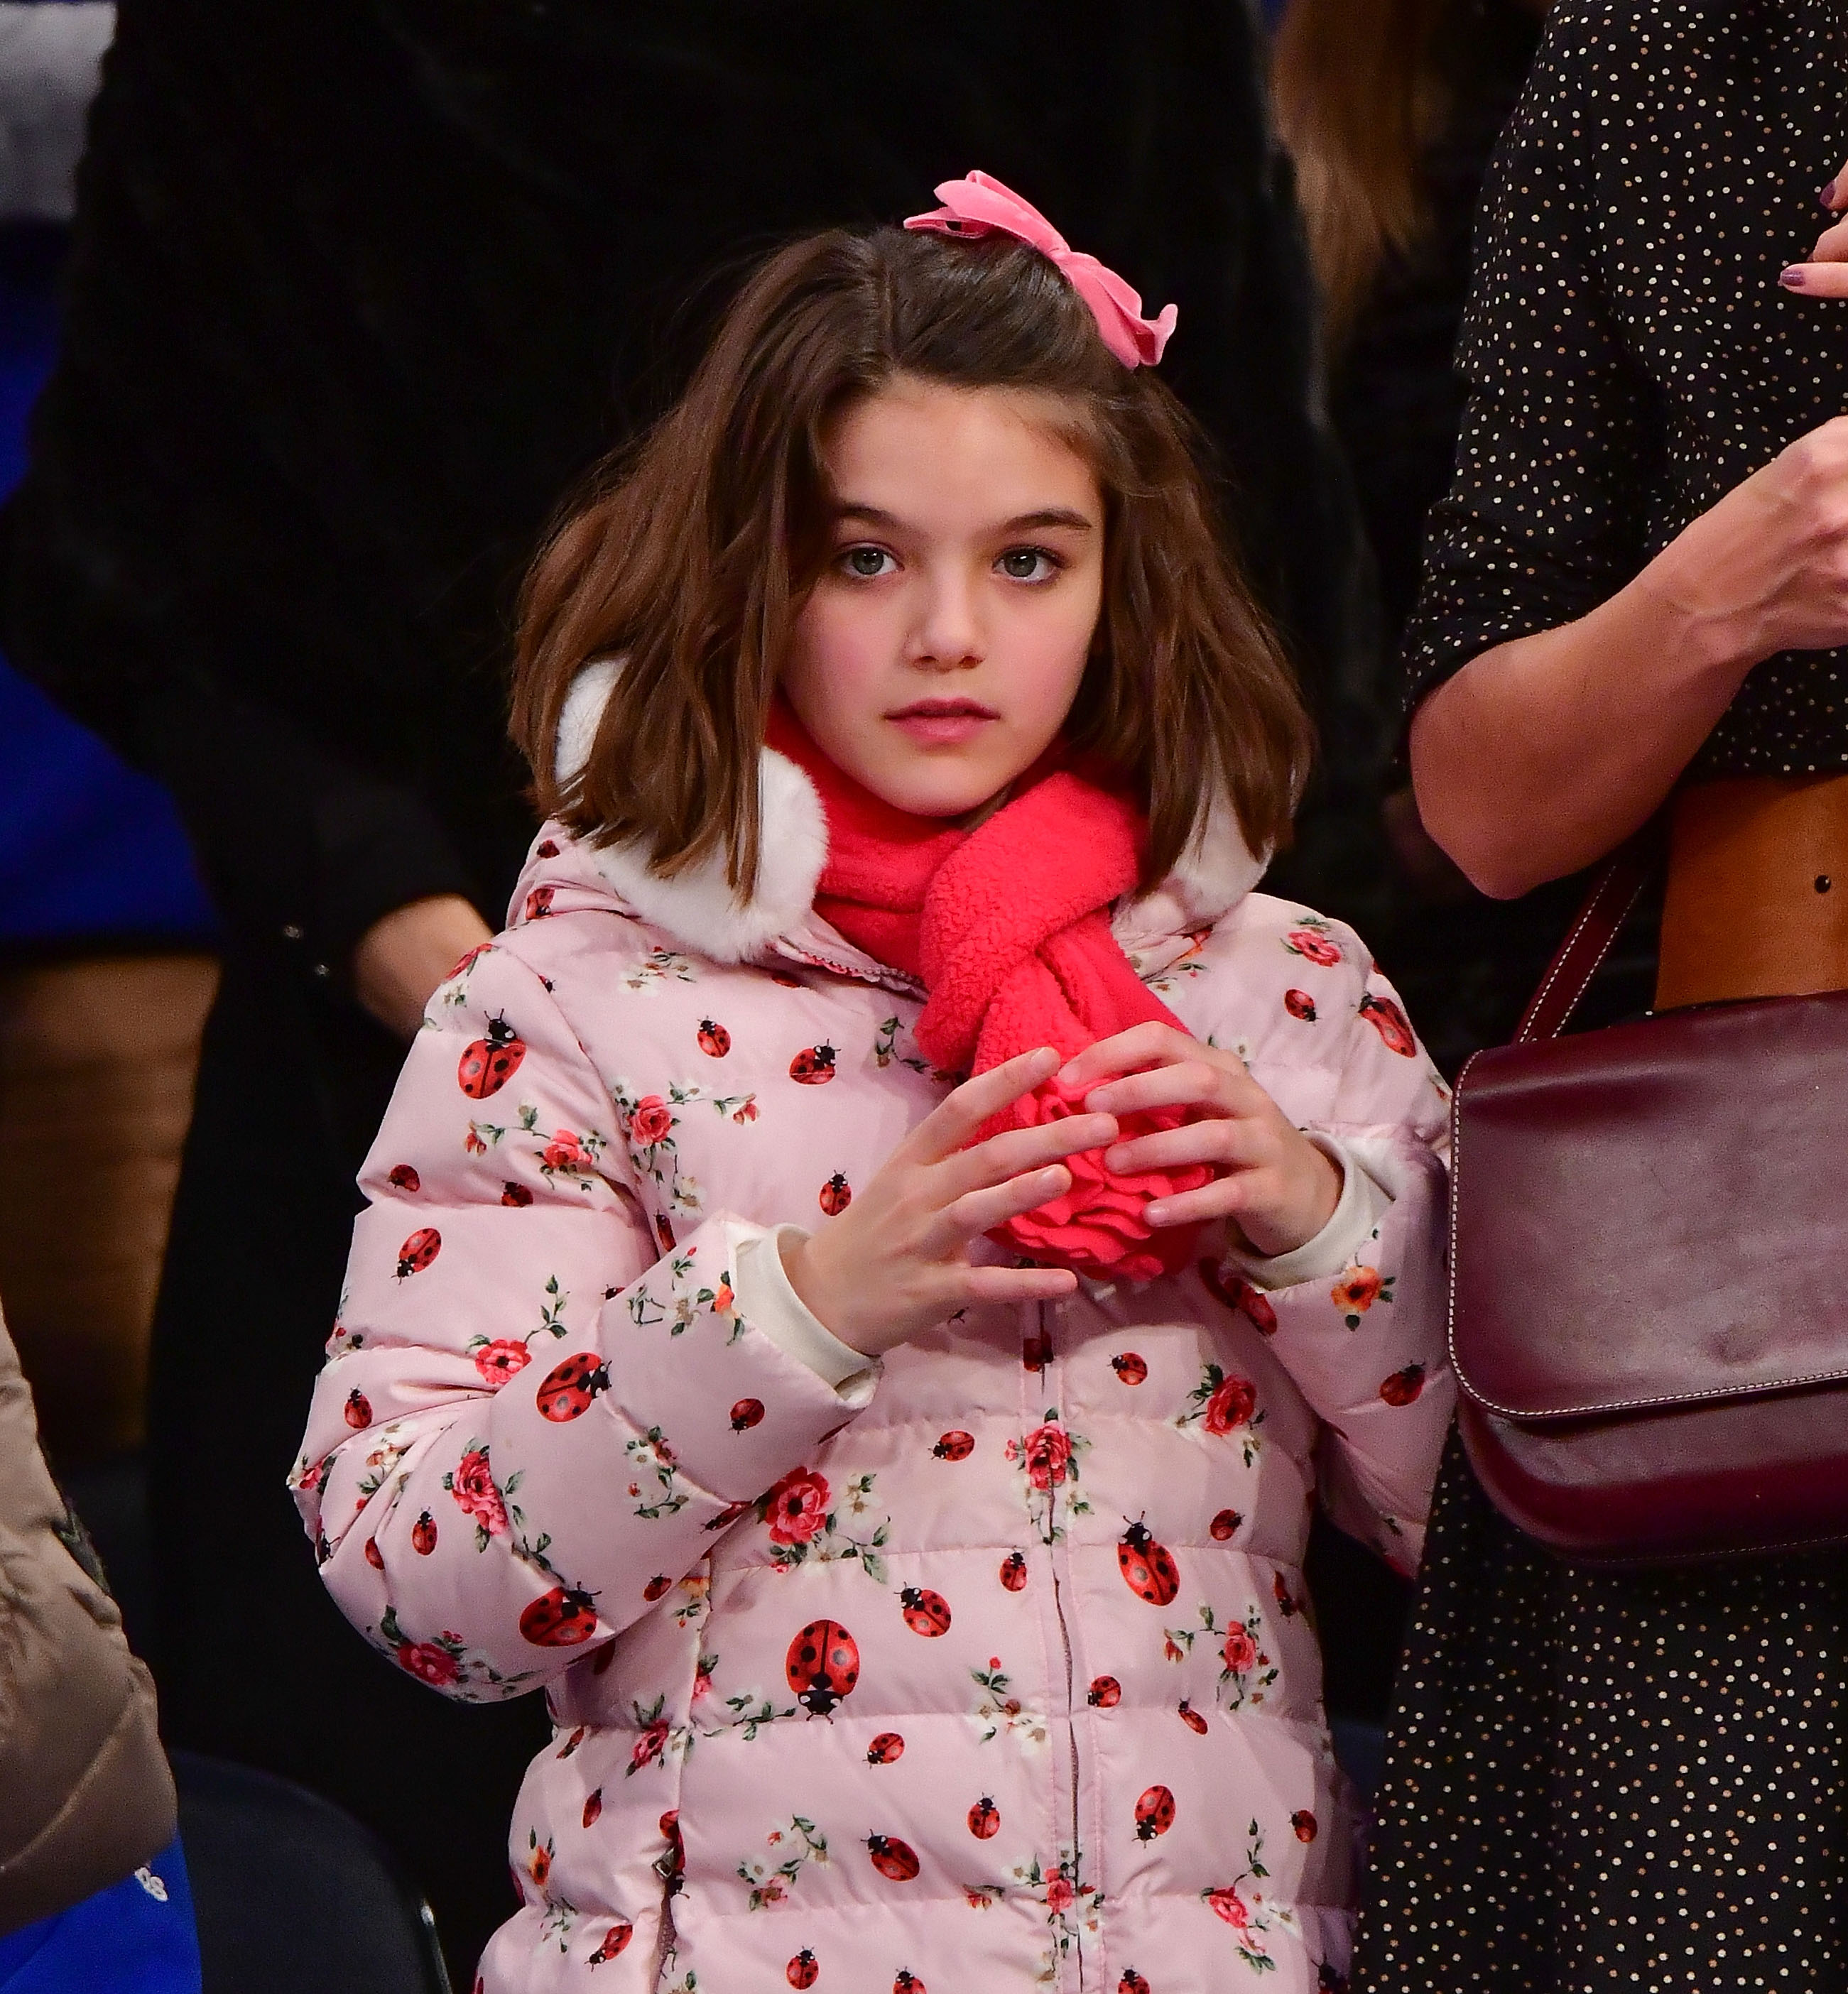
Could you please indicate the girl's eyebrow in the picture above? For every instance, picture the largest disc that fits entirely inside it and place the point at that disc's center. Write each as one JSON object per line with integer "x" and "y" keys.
{"x": 1026, "y": 522}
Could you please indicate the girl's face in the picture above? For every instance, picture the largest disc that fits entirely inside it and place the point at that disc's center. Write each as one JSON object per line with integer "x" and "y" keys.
{"x": 942, "y": 648}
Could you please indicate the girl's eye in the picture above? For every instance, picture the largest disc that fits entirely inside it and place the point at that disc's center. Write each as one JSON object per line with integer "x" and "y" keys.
{"x": 1029, "y": 565}
{"x": 866, "y": 563}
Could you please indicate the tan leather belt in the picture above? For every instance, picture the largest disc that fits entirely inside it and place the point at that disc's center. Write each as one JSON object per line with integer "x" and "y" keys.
{"x": 1757, "y": 894}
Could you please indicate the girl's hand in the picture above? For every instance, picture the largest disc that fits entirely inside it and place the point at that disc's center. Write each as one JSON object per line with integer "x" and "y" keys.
{"x": 896, "y": 1261}
{"x": 1826, "y": 274}
{"x": 1279, "y": 1190}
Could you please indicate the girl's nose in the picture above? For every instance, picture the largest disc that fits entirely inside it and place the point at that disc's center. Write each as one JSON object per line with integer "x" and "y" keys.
{"x": 947, "y": 635}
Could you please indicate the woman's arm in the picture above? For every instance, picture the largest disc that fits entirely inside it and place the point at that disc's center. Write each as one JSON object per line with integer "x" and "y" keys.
{"x": 1541, "y": 754}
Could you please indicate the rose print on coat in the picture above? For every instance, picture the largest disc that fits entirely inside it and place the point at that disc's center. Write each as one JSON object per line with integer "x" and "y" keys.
{"x": 1246, "y": 1671}
{"x": 1047, "y": 1457}
{"x": 563, "y": 1156}
{"x": 1313, "y": 939}
{"x": 1229, "y": 1288}
{"x": 655, "y": 1738}
{"x": 660, "y": 965}
{"x": 799, "y": 1845}
{"x": 1225, "y": 1405}
{"x": 1072, "y": 1906}
{"x": 806, "y": 1522}
{"x": 442, "y": 1661}
{"x": 1243, "y": 1906}
{"x": 471, "y": 1482}
{"x": 1358, "y": 1290}
{"x": 501, "y": 1357}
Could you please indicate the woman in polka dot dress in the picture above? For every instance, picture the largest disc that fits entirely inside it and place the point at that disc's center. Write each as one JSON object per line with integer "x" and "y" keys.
{"x": 1636, "y": 592}
{"x": 898, "y": 1481}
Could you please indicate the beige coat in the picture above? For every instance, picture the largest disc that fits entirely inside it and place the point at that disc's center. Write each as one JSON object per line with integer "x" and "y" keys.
{"x": 85, "y": 1793}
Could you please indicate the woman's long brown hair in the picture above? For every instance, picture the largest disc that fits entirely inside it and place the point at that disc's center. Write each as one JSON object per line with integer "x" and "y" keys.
{"x": 1356, "y": 101}
{"x": 692, "y": 560}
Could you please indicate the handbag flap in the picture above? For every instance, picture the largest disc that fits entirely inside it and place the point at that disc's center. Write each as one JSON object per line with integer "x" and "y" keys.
{"x": 1654, "y": 1213}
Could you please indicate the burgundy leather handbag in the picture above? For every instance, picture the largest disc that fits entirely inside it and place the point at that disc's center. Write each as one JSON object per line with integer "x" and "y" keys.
{"x": 1649, "y": 1268}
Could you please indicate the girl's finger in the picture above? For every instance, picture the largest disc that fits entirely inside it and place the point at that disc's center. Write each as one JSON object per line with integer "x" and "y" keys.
{"x": 1140, "y": 1045}
{"x": 1834, "y": 196}
{"x": 1220, "y": 1140}
{"x": 1017, "y": 1149}
{"x": 1224, "y": 1197}
{"x": 1005, "y": 1285}
{"x": 950, "y": 1124}
{"x": 1817, "y": 280}
{"x": 980, "y": 1211}
{"x": 1192, "y": 1083}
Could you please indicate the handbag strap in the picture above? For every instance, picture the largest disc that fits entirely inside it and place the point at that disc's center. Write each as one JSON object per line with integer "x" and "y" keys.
{"x": 1613, "y": 896}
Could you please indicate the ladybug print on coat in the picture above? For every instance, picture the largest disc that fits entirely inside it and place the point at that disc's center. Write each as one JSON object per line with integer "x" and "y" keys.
{"x": 908, "y": 1982}
{"x": 715, "y": 1040}
{"x": 835, "y": 1195}
{"x": 1013, "y": 1571}
{"x": 926, "y": 1612}
{"x": 746, "y": 1413}
{"x": 1403, "y": 1386}
{"x": 423, "y": 1535}
{"x": 1154, "y": 1814}
{"x": 566, "y": 1391}
{"x": 418, "y": 1251}
{"x": 955, "y": 1446}
{"x": 559, "y": 1618}
{"x": 1304, "y": 1822}
{"x": 1106, "y": 1693}
{"x": 1148, "y": 1568}
{"x": 404, "y": 1177}
{"x": 1224, "y": 1525}
{"x": 515, "y": 1195}
{"x": 985, "y": 1819}
{"x": 814, "y": 1066}
{"x": 593, "y": 1807}
{"x": 895, "y": 1860}
{"x": 886, "y": 1749}
{"x": 1130, "y": 1368}
{"x": 657, "y": 1587}
{"x": 486, "y": 1065}
{"x": 358, "y": 1409}
{"x": 822, "y": 1665}
{"x": 1132, "y": 1983}
{"x": 802, "y": 1971}
{"x": 1191, "y": 1717}
{"x": 1300, "y": 1005}
{"x": 612, "y": 1941}
{"x": 1391, "y": 1023}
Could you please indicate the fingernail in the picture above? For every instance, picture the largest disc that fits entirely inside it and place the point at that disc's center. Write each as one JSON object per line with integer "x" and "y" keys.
{"x": 1794, "y": 279}
{"x": 1156, "y": 1215}
{"x": 1827, "y": 196}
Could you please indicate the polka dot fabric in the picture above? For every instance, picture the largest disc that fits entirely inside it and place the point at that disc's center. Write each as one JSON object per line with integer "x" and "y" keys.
{"x": 1605, "y": 1781}
{"x": 1630, "y": 353}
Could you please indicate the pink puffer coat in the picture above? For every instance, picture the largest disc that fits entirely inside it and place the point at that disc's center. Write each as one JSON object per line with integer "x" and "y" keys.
{"x": 993, "y": 1670}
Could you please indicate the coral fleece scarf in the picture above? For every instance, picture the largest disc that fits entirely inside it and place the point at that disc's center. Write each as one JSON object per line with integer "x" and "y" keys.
{"x": 1008, "y": 928}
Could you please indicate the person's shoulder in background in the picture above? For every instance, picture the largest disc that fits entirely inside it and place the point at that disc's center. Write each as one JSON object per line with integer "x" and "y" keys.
{"x": 85, "y": 1795}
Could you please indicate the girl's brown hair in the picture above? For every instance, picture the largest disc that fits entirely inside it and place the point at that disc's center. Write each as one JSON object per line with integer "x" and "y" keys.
{"x": 1356, "y": 99}
{"x": 692, "y": 557}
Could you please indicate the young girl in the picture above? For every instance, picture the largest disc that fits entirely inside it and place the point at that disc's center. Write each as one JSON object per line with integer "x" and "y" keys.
{"x": 898, "y": 1480}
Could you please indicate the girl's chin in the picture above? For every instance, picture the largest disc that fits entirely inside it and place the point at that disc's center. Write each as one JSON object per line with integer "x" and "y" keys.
{"x": 935, "y": 787}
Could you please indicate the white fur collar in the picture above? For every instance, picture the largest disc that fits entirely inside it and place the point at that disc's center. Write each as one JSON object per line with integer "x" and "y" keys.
{"x": 700, "y": 907}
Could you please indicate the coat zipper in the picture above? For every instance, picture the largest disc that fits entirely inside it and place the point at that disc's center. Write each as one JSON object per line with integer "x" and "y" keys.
{"x": 1044, "y": 1349}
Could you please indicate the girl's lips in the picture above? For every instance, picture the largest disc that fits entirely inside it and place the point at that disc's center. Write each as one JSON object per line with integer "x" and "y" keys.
{"x": 943, "y": 723}
{"x": 943, "y": 730}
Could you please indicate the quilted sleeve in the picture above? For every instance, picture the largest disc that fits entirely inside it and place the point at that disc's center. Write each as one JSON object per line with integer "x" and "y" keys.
{"x": 1366, "y": 1346}
{"x": 530, "y": 1426}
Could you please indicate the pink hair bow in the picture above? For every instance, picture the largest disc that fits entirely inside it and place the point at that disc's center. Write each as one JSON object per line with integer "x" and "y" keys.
{"x": 975, "y": 206}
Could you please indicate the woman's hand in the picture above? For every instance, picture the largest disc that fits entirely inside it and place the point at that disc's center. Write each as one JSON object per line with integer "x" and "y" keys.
{"x": 1826, "y": 274}
{"x": 896, "y": 1261}
{"x": 403, "y": 957}
{"x": 1278, "y": 1188}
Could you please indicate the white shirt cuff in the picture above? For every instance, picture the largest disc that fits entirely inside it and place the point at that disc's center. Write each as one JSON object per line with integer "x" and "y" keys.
{"x": 767, "y": 1302}
{"x": 1363, "y": 1202}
